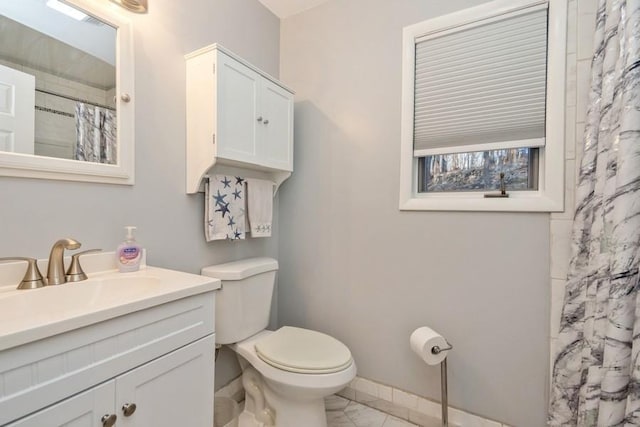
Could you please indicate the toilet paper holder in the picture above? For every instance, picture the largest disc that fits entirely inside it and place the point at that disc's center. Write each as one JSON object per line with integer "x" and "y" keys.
{"x": 444, "y": 393}
{"x": 436, "y": 349}
{"x": 432, "y": 348}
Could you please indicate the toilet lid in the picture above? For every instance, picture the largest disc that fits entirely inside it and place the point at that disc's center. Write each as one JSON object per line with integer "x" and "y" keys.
{"x": 303, "y": 351}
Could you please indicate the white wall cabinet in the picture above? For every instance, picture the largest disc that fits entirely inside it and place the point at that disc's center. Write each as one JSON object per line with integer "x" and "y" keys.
{"x": 237, "y": 116}
{"x": 276, "y": 127}
{"x": 161, "y": 359}
{"x": 237, "y": 109}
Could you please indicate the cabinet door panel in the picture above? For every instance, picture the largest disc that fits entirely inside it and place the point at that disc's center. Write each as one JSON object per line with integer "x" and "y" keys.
{"x": 174, "y": 390}
{"x": 83, "y": 410}
{"x": 237, "y": 107}
{"x": 278, "y": 132}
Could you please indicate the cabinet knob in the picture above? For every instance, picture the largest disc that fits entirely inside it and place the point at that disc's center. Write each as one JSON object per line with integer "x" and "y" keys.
{"x": 259, "y": 118}
{"x": 266, "y": 122}
{"x": 128, "y": 409}
{"x": 125, "y": 97}
{"x": 109, "y": 420}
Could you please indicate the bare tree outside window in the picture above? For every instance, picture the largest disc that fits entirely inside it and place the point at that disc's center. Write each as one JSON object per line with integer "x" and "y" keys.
{"x": 479, "y": 171}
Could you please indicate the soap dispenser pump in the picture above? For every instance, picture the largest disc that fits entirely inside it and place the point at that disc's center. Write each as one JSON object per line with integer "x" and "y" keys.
{"x": 129, "y": 253}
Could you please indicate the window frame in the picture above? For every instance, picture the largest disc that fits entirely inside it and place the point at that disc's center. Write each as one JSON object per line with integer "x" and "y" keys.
{"x": 550, "y": 194}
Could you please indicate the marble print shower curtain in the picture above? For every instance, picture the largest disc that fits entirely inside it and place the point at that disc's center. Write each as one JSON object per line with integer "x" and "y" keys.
{"x": 96, "y": 134}
{"x": 596, "y": 372}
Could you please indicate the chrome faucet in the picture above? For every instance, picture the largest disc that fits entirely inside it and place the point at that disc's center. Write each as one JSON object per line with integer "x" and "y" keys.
{"x": 55, "y": 270}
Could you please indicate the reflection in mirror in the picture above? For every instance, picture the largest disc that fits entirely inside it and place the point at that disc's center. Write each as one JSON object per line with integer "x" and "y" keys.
{"x": 57, "y": 71}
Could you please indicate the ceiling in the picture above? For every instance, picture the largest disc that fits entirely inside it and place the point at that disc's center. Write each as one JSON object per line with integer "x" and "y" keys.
{"x": 285, "y": 8}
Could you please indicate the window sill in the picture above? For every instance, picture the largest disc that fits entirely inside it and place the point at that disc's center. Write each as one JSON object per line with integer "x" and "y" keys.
{"x": 516, "y": 202}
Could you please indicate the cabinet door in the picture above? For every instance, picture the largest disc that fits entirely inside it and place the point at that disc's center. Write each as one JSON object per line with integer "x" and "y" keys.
{"x": 174, "y": 390}
{"x": 277, "y": 129}
{"x": 237, "y": 110}
{"x": 83, "y": 410}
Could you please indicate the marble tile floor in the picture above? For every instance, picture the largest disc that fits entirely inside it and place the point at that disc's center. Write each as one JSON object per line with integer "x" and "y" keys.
{"x": 342, "y": 412}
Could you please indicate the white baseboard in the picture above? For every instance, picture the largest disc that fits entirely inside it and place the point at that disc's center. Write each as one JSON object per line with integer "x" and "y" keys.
{"x": 399, "y": 403}
{"x": 408, "y": 406}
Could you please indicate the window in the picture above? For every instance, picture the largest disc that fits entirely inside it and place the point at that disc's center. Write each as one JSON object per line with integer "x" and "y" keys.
{"x": 479, "y": 171}
{"x": 483, "y": 104}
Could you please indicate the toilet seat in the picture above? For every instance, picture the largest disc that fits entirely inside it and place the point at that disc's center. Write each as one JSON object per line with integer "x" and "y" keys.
{"x": 303, "y": 351}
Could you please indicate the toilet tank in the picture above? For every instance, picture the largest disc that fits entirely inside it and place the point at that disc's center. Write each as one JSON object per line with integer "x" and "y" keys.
{"x": 243, "y": 304}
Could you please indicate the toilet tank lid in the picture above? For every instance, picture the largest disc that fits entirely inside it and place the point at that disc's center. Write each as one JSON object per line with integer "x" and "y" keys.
{"x": 238, "y": 270}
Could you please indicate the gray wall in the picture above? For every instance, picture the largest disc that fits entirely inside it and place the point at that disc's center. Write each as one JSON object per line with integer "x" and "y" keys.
{"x": 354, "y": 266}
{"x": 34, "y": 213}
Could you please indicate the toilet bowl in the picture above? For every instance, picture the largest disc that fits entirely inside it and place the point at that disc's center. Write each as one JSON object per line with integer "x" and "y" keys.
{"x": 286, "y": 373}
{"x": 292, "y": 396}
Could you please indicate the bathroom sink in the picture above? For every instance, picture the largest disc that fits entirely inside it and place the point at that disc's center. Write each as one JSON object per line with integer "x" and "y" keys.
{"x": 28, "y": 315}
{"x": 134, "y": 280}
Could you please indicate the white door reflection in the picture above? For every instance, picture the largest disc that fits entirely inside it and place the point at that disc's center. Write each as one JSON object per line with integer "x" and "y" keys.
{"x": 17, "y": 93}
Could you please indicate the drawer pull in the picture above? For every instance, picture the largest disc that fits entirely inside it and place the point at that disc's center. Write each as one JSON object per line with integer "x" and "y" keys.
{"x": 128, "y": 409}
{"x": 109, "y": 420}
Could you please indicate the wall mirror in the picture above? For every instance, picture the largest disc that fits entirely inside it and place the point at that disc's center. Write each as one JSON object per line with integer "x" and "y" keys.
{"x": 66, "y": 91}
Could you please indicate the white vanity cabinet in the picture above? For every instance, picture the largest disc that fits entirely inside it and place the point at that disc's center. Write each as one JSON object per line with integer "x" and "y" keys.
{"x": 237, "y": 115}
{"x": 83, "y": 410}
{"x": 174, "y": 390}
{"x": 160, "y": 359}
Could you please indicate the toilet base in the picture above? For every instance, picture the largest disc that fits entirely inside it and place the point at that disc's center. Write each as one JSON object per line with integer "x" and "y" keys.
{"x": 264, "y": 407}
{"x": 246, "y": 419}
{"x": 289, "y": 419}
{"x": 292, "y": 417}
{"x": 278, "y": 398}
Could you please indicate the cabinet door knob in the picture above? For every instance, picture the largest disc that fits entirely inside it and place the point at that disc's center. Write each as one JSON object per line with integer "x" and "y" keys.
{"x": 109, "y": 420}
{"x": 128, "y": 409}
{"x": 125, "y": 97}
{"x": 259, "y": 118}
{"x": 266, "y": 122}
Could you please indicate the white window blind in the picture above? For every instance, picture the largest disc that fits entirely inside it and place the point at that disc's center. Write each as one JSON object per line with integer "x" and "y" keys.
{"x": 482, "y": 86}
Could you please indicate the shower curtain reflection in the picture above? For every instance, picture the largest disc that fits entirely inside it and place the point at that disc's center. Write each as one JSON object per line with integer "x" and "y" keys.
{"x": 96, "y": 134}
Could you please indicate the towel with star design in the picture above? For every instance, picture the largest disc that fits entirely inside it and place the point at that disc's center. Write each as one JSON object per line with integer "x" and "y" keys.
{"x": 224, "y": 208}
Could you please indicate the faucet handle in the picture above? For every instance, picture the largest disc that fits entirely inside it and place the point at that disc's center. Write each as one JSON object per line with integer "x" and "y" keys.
{"x": 32, "y": 277}
{"x": 75, "y": 272}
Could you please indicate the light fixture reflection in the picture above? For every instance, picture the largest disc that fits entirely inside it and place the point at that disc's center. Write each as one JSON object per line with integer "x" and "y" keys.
{"x": 137, "y": 6}
{"x": 66, "y": 9}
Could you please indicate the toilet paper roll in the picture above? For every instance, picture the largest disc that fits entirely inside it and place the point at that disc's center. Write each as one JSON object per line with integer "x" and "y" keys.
{"x": 423, "y": 340}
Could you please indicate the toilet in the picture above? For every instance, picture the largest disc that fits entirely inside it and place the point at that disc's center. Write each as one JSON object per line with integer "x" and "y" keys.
{"x": 286, "y": 373}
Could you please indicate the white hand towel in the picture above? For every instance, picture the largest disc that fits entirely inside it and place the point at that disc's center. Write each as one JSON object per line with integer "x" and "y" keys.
{"x": 260, "y": 206}
{"x": 224, "y": 208}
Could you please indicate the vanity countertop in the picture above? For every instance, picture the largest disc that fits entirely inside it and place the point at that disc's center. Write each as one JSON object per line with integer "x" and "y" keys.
{"x": 30, "y": 315}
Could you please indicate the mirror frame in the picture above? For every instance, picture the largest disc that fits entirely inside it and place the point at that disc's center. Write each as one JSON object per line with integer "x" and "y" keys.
{"x": 32, "y": 166}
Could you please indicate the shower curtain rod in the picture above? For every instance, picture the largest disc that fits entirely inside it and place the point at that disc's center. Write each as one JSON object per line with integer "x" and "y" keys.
{"x": 71, "y": 98}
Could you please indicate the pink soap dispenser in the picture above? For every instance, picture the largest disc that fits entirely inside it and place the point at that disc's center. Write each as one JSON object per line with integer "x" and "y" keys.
{"x": 129, "y": 253}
